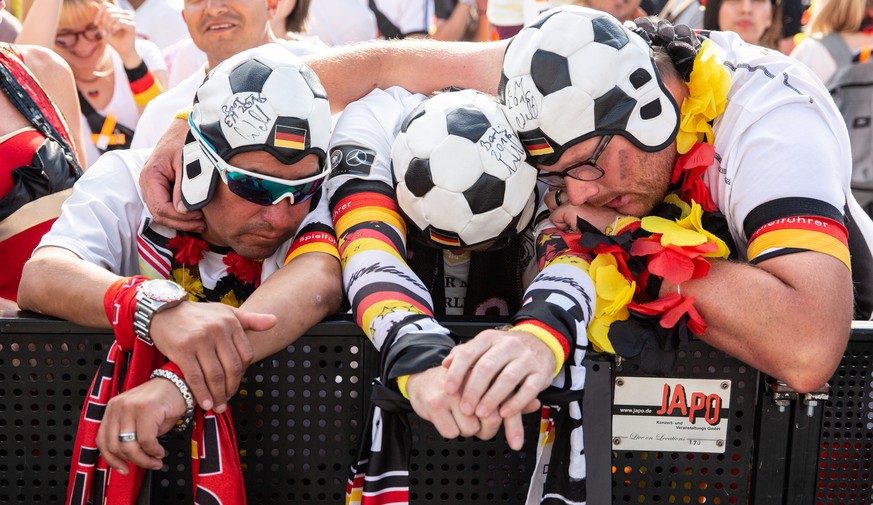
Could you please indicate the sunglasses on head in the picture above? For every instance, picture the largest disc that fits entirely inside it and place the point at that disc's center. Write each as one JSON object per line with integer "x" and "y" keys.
{"x": 67, "y": 40}
{"x": 258, "y": 188}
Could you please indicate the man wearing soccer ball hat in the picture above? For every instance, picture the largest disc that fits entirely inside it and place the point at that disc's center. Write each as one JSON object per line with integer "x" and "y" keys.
{"x": 415, "y": 242}
{"x": 255, "y": 160}
{"x": 755, "y": 167}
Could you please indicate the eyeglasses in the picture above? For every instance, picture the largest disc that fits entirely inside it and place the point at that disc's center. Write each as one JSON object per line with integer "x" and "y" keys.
{"x": 258, "y": 188}
{"x": 67, "y": 40}
{"x": 583, "y": 171}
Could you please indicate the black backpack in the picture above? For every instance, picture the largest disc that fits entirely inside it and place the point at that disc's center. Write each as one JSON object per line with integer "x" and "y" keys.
{"x": 851, "y": 87}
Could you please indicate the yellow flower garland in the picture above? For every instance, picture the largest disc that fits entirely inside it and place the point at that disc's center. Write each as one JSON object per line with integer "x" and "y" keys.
{"x": 688, "y": 230}
{"x": 708, "y": 87}
{"x": 707, "y": 96}
{"x": 614, "y": 293}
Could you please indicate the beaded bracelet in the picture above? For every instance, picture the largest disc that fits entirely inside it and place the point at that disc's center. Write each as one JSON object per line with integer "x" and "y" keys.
{"x": 185, "y": 420}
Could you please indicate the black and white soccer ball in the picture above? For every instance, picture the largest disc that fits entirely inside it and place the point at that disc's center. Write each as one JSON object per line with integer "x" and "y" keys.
{"x": 576, "y": 73}
{"x": 262, "y": 99}
{"x": 460, "y": 172}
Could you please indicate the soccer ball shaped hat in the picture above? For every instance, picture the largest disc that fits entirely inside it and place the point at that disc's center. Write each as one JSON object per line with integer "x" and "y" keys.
{"x": 460, "y": 175}
{"x": 262, "y": 99}
{"x": 576, "y": 73}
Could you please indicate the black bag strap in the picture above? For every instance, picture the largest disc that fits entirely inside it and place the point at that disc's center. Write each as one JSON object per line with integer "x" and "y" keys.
{"x": 97, "y": 120}
{"x": 388, "y": 29}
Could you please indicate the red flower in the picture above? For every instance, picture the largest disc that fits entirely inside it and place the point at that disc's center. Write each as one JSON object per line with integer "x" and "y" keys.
{"x": 690, "y": 168}
{"x": 671, "y": 308}
{"x": 674, "y": 263}
{"x": 246, "y": 270}
{"x": 187, "y": 250}
{"x": 604, "y": 245}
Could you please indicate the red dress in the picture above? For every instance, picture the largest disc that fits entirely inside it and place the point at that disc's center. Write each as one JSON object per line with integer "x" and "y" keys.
{"x": 32, "y": 187}
{"x": 21, "y": 231}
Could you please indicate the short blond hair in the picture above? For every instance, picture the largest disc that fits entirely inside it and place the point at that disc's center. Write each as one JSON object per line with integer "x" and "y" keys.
{"x": 78, "y": 12}
{"x": 835, "y": 16}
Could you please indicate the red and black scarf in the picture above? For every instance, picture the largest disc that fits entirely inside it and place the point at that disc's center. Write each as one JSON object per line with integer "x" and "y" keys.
{"x": 216, "y": 471}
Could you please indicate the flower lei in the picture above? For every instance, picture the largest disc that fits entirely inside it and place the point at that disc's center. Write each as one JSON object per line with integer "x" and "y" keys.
{"x": 243, "y": 274}
{"x": 635, "y": 254}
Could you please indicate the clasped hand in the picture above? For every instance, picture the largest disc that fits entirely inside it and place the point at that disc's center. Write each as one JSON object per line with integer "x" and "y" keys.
{"x": 485, "y": 383}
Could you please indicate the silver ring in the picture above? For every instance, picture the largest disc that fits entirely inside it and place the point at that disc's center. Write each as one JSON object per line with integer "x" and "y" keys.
{"x": 558, "y": 201}
{"x": 127, "y": 437}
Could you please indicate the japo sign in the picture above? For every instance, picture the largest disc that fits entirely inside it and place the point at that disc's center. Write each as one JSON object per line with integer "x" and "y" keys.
{"x": 670, "y": 414}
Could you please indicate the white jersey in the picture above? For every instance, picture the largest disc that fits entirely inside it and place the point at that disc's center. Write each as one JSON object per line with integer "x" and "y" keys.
{"x": 782, "y": 160}
{"x": 105, "y": 222}
{"x": 122, "y": 104}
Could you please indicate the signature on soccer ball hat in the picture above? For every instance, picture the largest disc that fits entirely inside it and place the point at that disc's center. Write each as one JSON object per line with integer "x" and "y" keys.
{"x": 576, "y": 73}
{"x": 460, "y": 173}
{"x": 262, "y": 99}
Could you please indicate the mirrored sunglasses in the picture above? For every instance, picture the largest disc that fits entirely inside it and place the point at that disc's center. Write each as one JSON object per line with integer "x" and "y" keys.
{"x": 258, "y": 188}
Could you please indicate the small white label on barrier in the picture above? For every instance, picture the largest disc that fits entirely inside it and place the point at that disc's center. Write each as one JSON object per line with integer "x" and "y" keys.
{"x": 670, "y": 414}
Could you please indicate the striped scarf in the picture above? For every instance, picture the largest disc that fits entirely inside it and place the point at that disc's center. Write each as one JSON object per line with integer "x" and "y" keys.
{"x": 216, "y": 471}
{"x": 380, "y": 475}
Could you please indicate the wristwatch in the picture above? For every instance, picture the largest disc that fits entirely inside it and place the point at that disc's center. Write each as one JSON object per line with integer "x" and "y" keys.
{"x": 152, "y": 297}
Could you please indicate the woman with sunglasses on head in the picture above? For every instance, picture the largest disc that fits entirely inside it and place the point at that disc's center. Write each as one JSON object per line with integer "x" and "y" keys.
{"x": 39, "y": 147}
{"x": 116, "y": 73}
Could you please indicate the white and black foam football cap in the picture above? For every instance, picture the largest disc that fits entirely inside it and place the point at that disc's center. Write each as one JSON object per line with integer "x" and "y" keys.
{"x": 262, "y": 99}
{"x": 575, "y": 73}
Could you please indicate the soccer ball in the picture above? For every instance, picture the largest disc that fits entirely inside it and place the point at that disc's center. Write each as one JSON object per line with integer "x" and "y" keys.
{"x": 262, "y": 99}
{"x": 576, "y": 73}
{"x": 461, "y": 179}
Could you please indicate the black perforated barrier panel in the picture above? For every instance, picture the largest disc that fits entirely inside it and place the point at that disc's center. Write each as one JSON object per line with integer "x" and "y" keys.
{"x": 299, "y": 413}
{"x": 845, "y": 466}
{"x": 297, "y": 418}
{"x": 45, "y": 370}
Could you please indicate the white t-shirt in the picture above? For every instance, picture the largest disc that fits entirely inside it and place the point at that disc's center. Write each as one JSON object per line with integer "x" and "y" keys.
{"x": 122, "y": 104}
{"x": 105, "y": 222}
{"x": 340, "y": 22}
{"x": 159, "y": 113}
{"x": 519, "y": 12}
{"x": 456, "y": 273}
{"x": 159, "y": 21}
{"x": 183, "y": 59}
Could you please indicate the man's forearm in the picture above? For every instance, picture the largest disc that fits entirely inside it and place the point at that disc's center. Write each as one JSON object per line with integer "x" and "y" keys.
{"x": 58, "y": 283}
{"x": 300, "y": 294}
{"x": 419, "y": 66}
{"x": 790, "y": 320}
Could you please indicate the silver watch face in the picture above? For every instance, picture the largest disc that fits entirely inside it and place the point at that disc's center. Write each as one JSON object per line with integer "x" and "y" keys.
{"x": 163, "y": 290}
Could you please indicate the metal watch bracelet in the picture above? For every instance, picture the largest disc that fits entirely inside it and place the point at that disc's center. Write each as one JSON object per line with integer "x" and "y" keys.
{"x": 186, "y": 418}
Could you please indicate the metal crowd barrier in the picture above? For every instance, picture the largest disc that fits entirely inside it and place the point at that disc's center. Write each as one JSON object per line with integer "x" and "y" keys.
{"x": 717, "y": 432}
